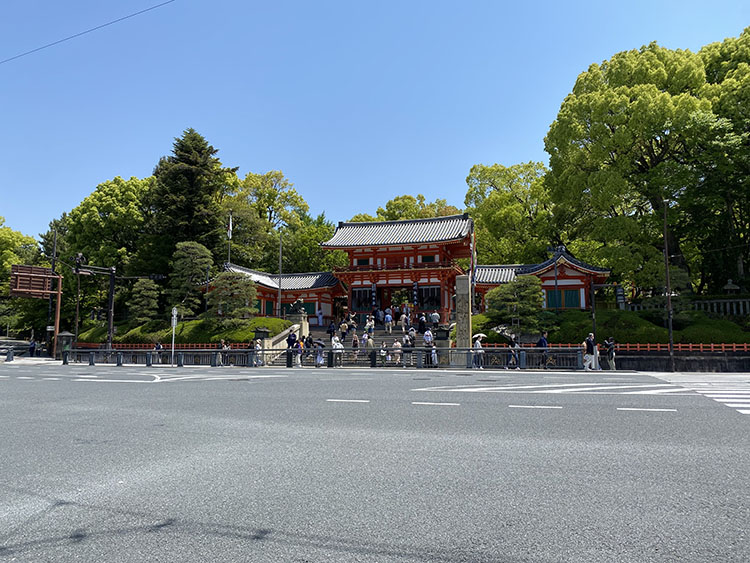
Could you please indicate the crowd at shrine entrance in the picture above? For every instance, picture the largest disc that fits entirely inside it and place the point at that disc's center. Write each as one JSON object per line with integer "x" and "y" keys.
{"x": 410, "y": 268}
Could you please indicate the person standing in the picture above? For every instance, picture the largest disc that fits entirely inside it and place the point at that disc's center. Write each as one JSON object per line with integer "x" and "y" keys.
{"x": 588, "y": 352}
{"x": 32, "y": 348}
{"x": 610, "y": 344}
{"x": 320, "y": 316}
{"x": 478, "y": 352}
{"x": 435, "y": 318}
{"x": 388, "y": 321}
{"x": 543, "y": 343}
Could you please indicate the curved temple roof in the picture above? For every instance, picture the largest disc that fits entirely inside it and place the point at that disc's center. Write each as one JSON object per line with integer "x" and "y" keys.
{"x": 392, "y": 233}
{"x": 311, "y": 280}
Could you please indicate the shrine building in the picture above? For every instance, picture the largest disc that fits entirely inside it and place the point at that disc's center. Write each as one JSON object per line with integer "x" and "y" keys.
{"x": 412, "y": 265}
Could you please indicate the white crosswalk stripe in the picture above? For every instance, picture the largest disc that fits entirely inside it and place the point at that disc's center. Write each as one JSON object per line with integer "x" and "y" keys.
{"x": 734, "y": 397}
{"x": 566, "y": 388}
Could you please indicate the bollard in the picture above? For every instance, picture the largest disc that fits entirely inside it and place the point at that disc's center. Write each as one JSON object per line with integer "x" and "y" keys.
{"x": 251, "y": 359}
{"x": 289, "y": 358}
{"x": 91, "y": 358}
{"x": 180, "y": 359}
{"x": 65, "y": 359}
{"x": 469, "y": 358}
{"x": 119, "y": 359}
{"x": 579, "y": 359}
{"x": 214, "y": 359}
{"x": 149, "y": 359}
{"x": 9, "y": 357}
{"x": 373, "y": 359}
{"x": 330, "y": 358}
{"x": 522, "y": 360}
{"x": 420, "y": 358}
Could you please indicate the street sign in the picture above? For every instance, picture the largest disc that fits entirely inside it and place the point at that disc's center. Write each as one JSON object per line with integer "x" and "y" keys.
{"x": 51, "y": 328}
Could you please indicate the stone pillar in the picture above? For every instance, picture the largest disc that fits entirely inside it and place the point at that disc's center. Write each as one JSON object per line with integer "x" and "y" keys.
{"x": 463, "y": 312}
{"x": 301, "y": 320}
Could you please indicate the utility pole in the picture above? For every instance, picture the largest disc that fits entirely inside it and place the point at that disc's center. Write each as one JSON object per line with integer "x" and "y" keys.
{"x": 111, "y": 308}
{"x": 279, "y": 295}
{"x": 669, "y": 290}
{"x": 49, "y": 306}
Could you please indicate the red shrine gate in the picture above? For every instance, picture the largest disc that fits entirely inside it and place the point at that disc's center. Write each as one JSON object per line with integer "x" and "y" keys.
{"x": 403, "y": 263}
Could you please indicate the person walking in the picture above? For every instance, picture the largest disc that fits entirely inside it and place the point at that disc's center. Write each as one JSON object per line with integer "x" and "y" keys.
{"x": 610, "y": 344}
{"x": 543, "y": 343}
{"x": 32, "y": 348}
{"x": 331, "y": 332}
{"x": 388, "y": 321}
{"x": 478, "y": 352}
{"x": 588, "y": 352}
{"x": 435, "y": 318}
{"x": 397, "y": 351}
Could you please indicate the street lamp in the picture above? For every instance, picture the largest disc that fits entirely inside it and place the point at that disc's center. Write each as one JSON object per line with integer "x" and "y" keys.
{"x": 669, "y": 289}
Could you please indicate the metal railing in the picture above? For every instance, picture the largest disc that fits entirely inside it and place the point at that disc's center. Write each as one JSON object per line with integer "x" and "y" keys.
{"x": 432, "y": 358}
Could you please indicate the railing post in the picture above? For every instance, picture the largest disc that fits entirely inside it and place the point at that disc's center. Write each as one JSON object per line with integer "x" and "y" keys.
{"x": 119, "y": 359}
{"x": 91, "y": 358}
{"x": 149, "y": 359}
{"x": 468, "y": 359}
{"x": 373, "y": 359}
{"x": 180, "y": 359}
{"x": 579, "y": 359}
{"x": 251, "y": 359}
{"x": 522, "y": 359}
{"x": 9, "y": 357}
{"x": 289, "y": 358}
{"x": 214, "y": 359}
{"x": 330, "y": 358}
{"x": 420, "y": 358}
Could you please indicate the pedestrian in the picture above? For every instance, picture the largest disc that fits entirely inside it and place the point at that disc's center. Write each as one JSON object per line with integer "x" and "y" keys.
{"x": 258, "y": 353}
{"x": 435, "y": 317}
{"x": 513, "y": 357}
{"x": 434, "y": 356}
{"x": 225, "y": 347}
{"x": 32, "y": 347}
{"x": 308, "y": 345}
{"x": 297, "y": 351}
{"x": 157, "y": 352}
{"x": 380, "y": 316}
{"x": 290, "y": 340}
{"x": 388, "y": 322}
{"x": 318, "y": 354}
{"x": 407, "y": 346}
{"x": 543, "y": 343}
{"x": 403, "y": 322}
{"x": 588, "y": 352}
{"x": 478, "y": 352}
{"x": 397, "y": 352}
{"x": 422, "y": 323}
{"x": 610, "y": 344}
{"x": 338, "y": 352}
{"x": 384, "y": 353}
{"x": 355, "y": 345}
{"x": 343, "y": 330}
{"x": 320, "y": 316}
{"x": 331, "y": 332}
{"x": 427, "y": 337}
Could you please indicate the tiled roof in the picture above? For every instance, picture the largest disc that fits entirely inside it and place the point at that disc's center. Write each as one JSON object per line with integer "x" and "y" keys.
{"x": 389, "y": 233}
{"x": 560, "y": 253}
{"x": 311, "y": 280}
{"x": 499, "y": 273}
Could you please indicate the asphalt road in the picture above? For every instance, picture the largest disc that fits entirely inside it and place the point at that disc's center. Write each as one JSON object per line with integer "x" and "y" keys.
{"x": 230, "y": 464}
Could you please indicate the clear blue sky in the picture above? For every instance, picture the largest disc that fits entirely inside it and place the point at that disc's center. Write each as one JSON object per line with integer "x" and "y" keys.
{"x": 356, "y": 102}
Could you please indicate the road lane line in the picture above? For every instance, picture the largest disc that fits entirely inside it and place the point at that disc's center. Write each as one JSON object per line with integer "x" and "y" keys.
{"x": 645, "y": 410}
{"x": 744, "y": 412}
{"x": 532, "y": 407}
{"x": 51, "y": 379}
{"x": 436, "y": 404}
{"x": 347, "y": 401}
{"x": 112, "y": 380}
{"x": 24, "y": 377}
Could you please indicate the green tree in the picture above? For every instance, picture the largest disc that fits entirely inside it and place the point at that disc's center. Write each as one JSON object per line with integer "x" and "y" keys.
{"x": 144, "y": 302}
{"x": 512, "y": 212}
{"x": 518, "y": 303}
{"x": 189, "y": 265}
{"x": 301, "y": 246}
{"x": 184, "y": 203}
{"x": 410, "y": 207}
{"x": 274, "y": 198}
{"x": 108, "y": 224}
{"x": 624, "y": 142}
{"x": 232, "y": 296}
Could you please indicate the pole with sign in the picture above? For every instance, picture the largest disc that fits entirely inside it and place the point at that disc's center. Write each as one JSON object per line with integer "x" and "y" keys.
{"x": 174, "y": 326}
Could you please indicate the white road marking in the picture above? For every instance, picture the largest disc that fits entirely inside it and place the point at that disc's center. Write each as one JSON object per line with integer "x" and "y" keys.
{"x": 738, "y": 405}
{"x": 436, "y": 404}
{"x": 744, "y": 412}
{"x": 347, "y": 401}
{"x": 645, "y": 410}
{"x": 532, "y": 407}
{"x": 24, "y": 377}
{"x": 113, "y": 380}
{"x": 51, "y": 379}
{"x": 654, "y": 391}
{"x": 600, "y": 387}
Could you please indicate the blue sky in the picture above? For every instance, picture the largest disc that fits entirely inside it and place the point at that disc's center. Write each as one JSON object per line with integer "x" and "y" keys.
{"x": 356, "y": 102}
